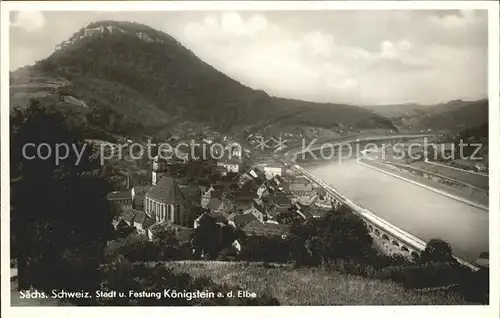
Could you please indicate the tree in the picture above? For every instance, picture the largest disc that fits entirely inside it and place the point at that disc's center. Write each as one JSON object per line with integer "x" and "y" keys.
{"x": 211, "y": 237}
{"x": 340, "y": 235}
{"x": 167, "y": 244}
{"x": 60, "y": 213}
{"x": 437, "y": 250}
{"x": 207, "y": 237}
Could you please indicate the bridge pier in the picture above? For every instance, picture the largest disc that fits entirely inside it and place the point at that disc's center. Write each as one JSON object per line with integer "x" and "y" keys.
{"x": 389, "y": 244}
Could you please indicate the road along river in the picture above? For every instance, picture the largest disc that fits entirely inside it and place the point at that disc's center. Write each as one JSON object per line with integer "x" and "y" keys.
{"x": 419, "y": 211}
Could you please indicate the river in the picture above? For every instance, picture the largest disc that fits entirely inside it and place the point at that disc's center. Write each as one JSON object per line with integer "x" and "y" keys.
{"x": 420, "y": 212}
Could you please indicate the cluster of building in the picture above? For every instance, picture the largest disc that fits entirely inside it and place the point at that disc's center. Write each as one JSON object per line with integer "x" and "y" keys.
{"x": 259, "y": 201}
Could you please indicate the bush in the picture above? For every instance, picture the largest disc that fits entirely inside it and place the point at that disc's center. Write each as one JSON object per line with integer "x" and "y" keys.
{"x": 227, "y": 254}
{"x": 265, "y": 249}
{"x": 340, "y": 235}
{"x": 137, "y": 248}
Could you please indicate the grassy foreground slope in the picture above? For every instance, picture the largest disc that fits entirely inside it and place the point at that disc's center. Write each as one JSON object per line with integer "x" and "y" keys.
{"x": 312, "y": 286}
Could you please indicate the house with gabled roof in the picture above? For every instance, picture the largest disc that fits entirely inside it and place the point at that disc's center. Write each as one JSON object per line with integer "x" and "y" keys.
{"x": 128, "y": 215}
{"x": 229, "y": 162}
{"x": 165, "y": 201}
{"x": 191, "y": 192}
{"x": 280, "y": 199}
{"x": 120, "y": 199}
{"x": 273, "y": 170}
{"x": 211, "y": 192}
{"x": 142, "y": 222}
{"x": 300, "y": 184}
{"x": 258, "y": 210}
{"x": 119, "y": 223}
{"x": 220, "y": 206}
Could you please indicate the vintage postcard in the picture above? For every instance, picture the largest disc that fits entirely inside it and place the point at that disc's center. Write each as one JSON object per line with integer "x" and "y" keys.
{"x": 281, "y": 154}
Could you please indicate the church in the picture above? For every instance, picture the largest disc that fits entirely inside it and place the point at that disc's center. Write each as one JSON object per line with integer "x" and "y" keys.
{"x": 159, "y": 204}
{"x": 164, "y": 201}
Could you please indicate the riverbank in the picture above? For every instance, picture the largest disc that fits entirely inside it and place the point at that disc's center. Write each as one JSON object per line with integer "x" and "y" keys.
{"x": 464, "y": 194}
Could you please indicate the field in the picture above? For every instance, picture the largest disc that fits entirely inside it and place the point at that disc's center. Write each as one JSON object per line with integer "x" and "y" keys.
{"x": 312, "y": 286}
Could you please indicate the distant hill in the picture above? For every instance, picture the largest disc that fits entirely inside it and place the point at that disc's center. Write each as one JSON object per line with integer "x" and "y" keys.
{"x": 455, "y": 115}
{"x": 126, "y": 77}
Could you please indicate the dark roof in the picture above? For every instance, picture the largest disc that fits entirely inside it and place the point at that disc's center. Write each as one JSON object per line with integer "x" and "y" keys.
{"x": 128, "y": 214}
{"x": 143, "y": 219}
{"x": 281, "y": 200}
{"x": 244, "y": 195}
{"x": 166, "y": 191}
{"x": 218, "y": 187}
{"x": 139, "y": 201}
{"x": 216, "y": 194}
{"x": 278, "y": 210}
{"x": 119, "y": 195}
{"x": 142, "y": 189}
{"x": 267, "y": 229}
{"x": 191, "y": 191}
{"x": 140, "y": 216}
{"x": 204, "y": 183}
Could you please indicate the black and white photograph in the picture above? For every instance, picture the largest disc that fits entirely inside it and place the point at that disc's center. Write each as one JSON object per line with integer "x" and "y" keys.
{"x": 250, "y": 154}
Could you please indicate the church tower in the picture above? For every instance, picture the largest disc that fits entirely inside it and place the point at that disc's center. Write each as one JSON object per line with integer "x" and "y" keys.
{"x": 159, "y": 169}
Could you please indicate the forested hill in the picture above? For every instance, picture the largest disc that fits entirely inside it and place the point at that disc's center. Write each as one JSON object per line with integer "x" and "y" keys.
{"x": 456, "y": 115}
{"x": 132, "y": 77}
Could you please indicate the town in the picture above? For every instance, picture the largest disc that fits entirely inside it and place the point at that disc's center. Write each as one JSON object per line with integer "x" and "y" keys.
{"x": 258, "y": 199}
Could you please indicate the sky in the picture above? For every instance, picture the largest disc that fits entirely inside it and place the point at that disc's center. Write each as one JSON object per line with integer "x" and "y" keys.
{"x": 355, "y": 57}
